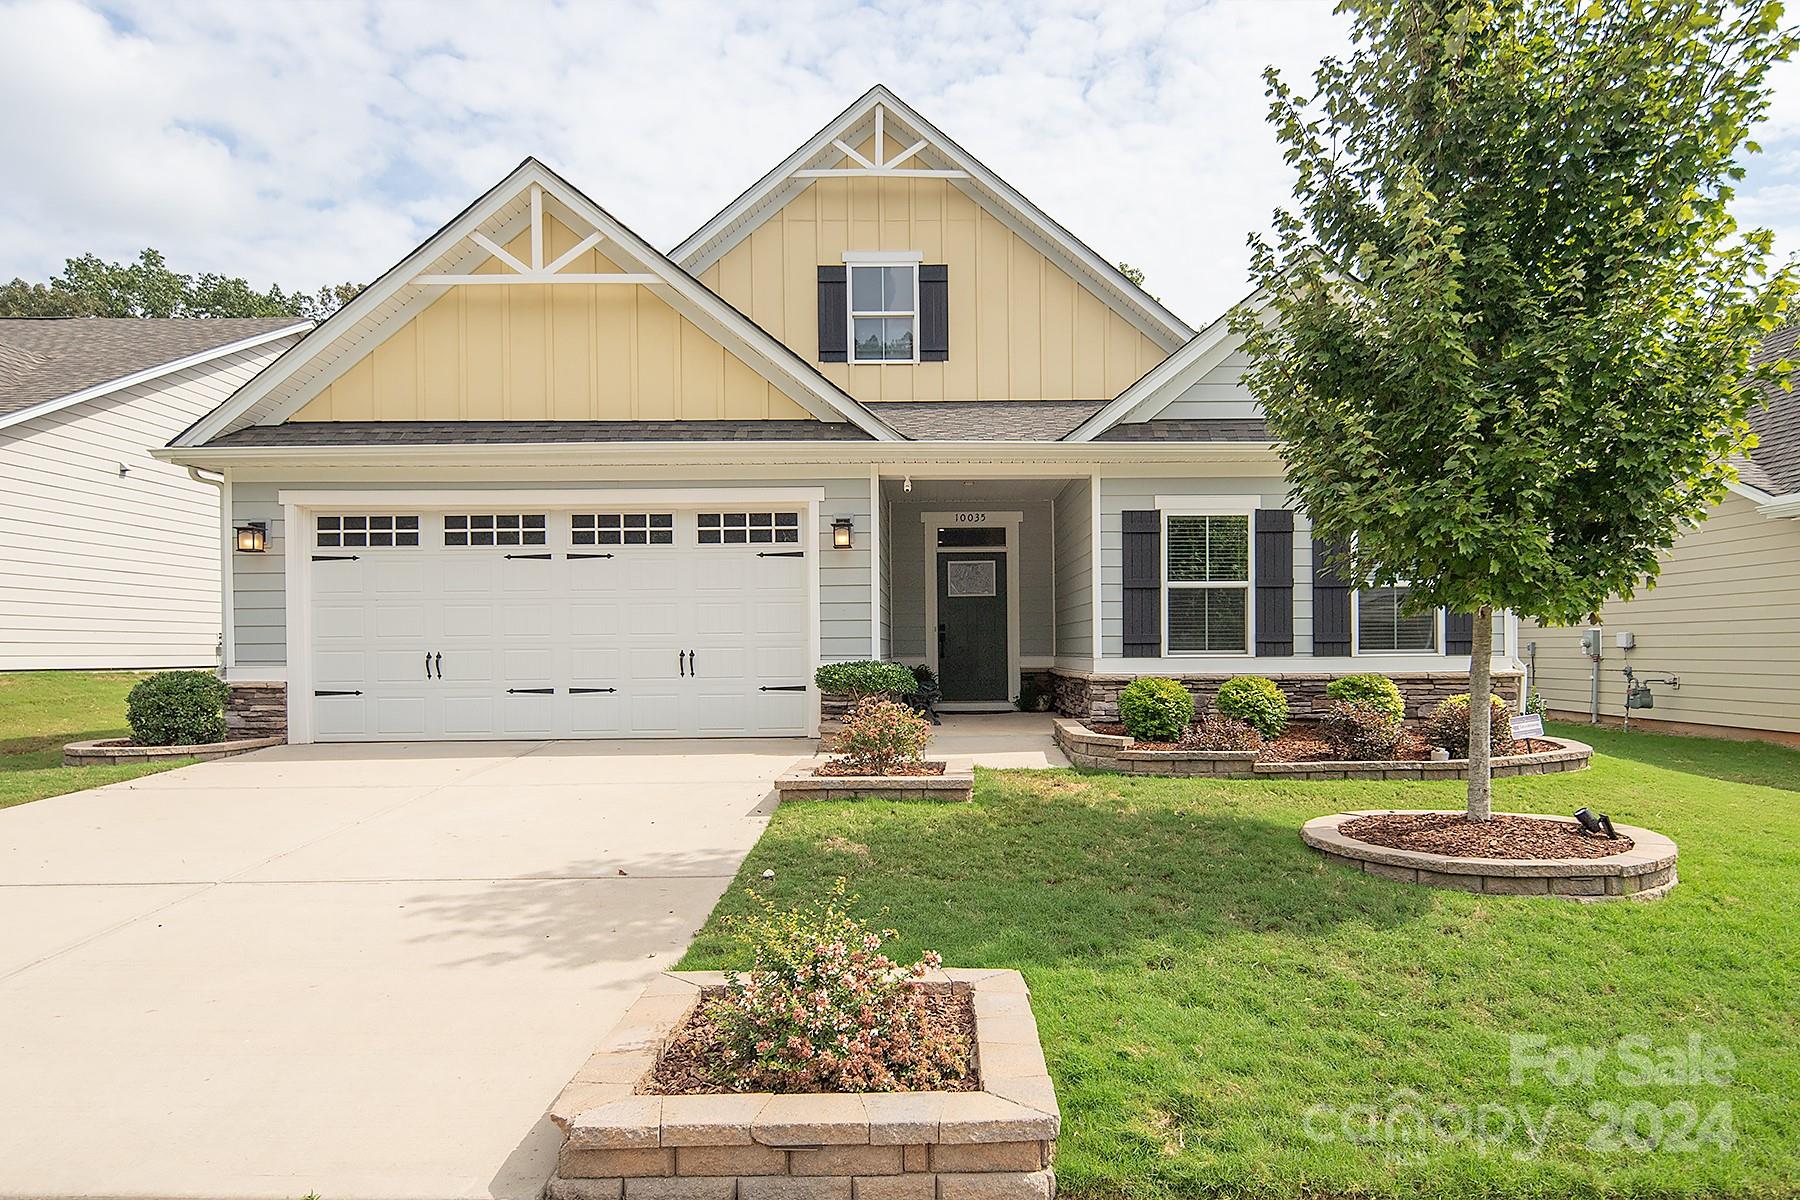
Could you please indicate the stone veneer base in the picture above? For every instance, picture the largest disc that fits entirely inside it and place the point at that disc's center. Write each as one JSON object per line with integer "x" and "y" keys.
{"x": 1644, "y": 872}
{"x": 1095, "y": 697}
{"x": 1114, "y": 752}
{"x": 993, "y": 1144}
{"x": 111, "y": 752}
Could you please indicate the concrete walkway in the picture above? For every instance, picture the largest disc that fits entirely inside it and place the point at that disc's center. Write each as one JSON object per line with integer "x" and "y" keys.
{"x": 362, "y": 972}
{"x": 1012, "y": 739}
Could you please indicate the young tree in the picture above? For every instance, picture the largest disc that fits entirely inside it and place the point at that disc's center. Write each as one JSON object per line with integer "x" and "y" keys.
{"x": 1504, "y": 338}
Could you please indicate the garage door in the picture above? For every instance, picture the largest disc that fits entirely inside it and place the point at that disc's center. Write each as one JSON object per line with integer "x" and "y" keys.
{"x": 553, "y": 623}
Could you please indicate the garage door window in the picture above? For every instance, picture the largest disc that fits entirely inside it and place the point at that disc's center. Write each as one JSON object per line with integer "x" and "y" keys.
{"x": 383, "y": 530}
{"x": 495, "y": 529}
{"x": 622, "y": 529}
{"x": 747, "y": 528}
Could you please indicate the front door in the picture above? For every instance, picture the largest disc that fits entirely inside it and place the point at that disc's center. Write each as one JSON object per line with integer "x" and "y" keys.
{"x": 971, "y": 632}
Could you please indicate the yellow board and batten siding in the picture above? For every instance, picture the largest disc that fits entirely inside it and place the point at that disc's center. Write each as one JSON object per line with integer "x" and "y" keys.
{"x": 534, "y": 352}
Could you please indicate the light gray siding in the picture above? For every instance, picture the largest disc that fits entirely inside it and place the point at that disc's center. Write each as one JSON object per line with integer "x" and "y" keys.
{"x": 908, "y": 579}
{"x": 1218, "y": 394}
{"x": 1074, "y": 555}
{"x": 846, "y": 596}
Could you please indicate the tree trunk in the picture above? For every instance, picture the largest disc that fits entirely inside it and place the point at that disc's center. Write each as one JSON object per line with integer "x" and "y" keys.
{"x": 1481, "y": 742}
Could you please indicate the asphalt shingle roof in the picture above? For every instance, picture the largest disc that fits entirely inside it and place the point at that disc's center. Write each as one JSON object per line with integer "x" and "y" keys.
{"x": 46, "y": 358}
{"x": 985, "y": 420}
{"x": 493, "y": 433}
{"x": 1775, "y": 462}
{"x": 1189, "y": 429}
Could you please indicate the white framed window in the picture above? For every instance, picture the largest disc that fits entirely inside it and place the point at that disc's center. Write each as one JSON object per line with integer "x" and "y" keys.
{"x": 749, "y": 528}
{"x": 622, "y": 529}
{"x": 367, "y": 530}
{"x": 884, "y": 309}
{"x": 1380, "y": 625}
{"x": 495, "y": 529}
{"x": 1206, "y": 583}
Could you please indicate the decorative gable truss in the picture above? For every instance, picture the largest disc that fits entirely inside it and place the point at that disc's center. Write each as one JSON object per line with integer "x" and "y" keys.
{"x": 472, "y": 251}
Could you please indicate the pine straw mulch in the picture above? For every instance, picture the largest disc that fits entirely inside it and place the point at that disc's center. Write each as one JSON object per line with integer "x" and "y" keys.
{"x": 680, "y": 1070}
{"x": 1453, "y": 834}
{"x": 838, "y": 766}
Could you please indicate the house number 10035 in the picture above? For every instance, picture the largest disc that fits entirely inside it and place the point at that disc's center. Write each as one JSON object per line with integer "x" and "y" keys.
{"x": 971, "y": 518}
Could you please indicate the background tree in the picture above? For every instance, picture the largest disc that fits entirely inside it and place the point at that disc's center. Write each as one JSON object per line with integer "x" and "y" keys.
{"x": 1508, "y": 327}
{"x": 89, "y": 286}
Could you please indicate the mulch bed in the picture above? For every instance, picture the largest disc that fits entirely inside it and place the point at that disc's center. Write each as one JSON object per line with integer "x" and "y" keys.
{"x": 1456, "y": 836}
{"x": 1303, "y": 744}
{"x": 904, "y": 771}
{"x": 680, "y": 1071}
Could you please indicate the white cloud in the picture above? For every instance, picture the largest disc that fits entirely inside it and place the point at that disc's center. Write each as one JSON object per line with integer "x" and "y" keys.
{"x": 312, "y": 142}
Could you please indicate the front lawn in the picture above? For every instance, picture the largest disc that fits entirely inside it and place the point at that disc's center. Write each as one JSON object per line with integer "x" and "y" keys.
{"x": 1224, "y": 1014}
{"x": 41, "y": 710}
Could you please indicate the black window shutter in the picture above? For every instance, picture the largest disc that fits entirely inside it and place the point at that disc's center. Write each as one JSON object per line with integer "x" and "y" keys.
{"x": 1331, "y": 600}
{"x": 1274, "y": 581}
{"x": 934, "y": 313}
{"x": 1141, "y": 575}
{"x": 834, "y": 299}
{"x": 1459, "y": 632}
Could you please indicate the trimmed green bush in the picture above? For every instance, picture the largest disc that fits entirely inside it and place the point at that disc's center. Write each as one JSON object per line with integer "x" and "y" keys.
{"x": 1448, "y": 726}
{"x": 1255, "y": 701}
{"x": 866, "y": 679}
{"x": 1154, "y": 709}
{"x": 1359, "y": 732}
{"x": 177, "y": 708}
{"x": 1377, "y": 690}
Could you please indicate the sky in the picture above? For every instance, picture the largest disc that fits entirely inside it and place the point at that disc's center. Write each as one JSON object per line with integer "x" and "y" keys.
{"x": 306, "y": 142}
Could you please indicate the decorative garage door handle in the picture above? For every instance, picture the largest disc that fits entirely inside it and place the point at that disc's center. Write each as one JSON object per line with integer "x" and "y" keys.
{"x": 681, "y": 662}
{"x": 531, "y": 691}
{"x": 531, "y": 556}
{"x": 428, "y": 664}
{"x": 783, "y": 687}
{"x": 692, "y": 670}
{"x": 334, "y": 558}
{"x": 440, "y": 664}
{"x": 337, "y": 693}
{"x": 781, "y": 554}
{"x": 589, "y": 691}
{"x": 586, "y": 556}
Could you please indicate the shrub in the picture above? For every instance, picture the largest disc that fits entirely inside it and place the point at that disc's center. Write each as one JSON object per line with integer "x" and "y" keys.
{"x": 881, "y": 735}
{"x": 1448, "y": 726}
{"x": 1153, "y": 709}
{"x": 177, "y": 708}
{"x": 1255, "y": 701}
{"x": 1214, "y": 732}
{"x": 823, "y": 1009}
{"x": 865, "y": 679}
{"x": 1377, "y": 690}
{"x": 1534, "y": 703}
{"x": 1360, "y": 731}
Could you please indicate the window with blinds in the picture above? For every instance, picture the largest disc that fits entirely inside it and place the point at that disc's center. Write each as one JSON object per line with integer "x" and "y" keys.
{"x": 1207, "y": 575}
{"x": 1382, "y": 626}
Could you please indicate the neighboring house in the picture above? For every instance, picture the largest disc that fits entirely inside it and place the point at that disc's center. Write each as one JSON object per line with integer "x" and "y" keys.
{"x": 1724, "y": 616}
{"x": 541, "y": 480}
{"x": 112, "y": 558}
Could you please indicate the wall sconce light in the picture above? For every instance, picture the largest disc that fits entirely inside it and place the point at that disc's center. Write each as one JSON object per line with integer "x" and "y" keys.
{"x": 253, "y": 538}
{"x": 841, "y": 534}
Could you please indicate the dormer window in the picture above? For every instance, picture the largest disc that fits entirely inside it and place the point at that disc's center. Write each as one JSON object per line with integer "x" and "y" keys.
{"x": 884, "y": 311}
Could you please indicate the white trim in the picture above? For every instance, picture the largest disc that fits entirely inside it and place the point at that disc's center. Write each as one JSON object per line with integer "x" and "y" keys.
{"x": 1776, "y": 507}
{"x": 227, "y": 580}
{"x": 149, "y": 373}
{"x": 1007, "y": 521}
{"x": 892, "y": 258}
{"x": 297, "y": 587}
{"x": 737, "y": 220}
{"x": 1228, "y": 508}
{"x": 550, "y": 497}
{"x": 1094, "y": 571}
{"x": 876, "y": 650}
{"x": 1198, "y": 504}
{"x": 537, "y": 277}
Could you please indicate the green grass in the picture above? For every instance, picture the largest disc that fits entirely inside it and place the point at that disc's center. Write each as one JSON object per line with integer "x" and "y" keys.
{"x": 1202, "y": 980}
{"x": 41, "y": 710}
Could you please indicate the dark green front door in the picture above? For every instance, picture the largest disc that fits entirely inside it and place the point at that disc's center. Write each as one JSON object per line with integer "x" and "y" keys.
{"x": 971, "y": 632}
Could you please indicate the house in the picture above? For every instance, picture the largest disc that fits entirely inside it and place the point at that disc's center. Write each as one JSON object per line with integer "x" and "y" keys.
{"x": 112, "y": 558}
{"x": 542, "y": 480}
{"x": 1722, "y": 616}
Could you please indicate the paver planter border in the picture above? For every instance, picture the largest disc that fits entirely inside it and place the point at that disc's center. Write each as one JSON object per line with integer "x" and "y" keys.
{"x": 804, "y": 785}
{"x": 1644, "y": 872}
{"x": 113, "y": 752}
{"x": 993, "y": 1144}
{"x": 1115, "y": 752}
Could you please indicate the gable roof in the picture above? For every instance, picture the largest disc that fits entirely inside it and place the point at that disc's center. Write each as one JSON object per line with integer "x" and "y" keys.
{"x": 1774, "y": 464}
{"x": 737, "y": 220}
{"x": 53, "y": 362}
{"x": 499, "y": 215}
{"x": 1166, "y": 380}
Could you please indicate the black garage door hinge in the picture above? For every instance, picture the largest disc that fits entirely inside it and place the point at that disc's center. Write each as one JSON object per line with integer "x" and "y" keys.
{"x": 531, "y": 691}
{"x": 587, "y": 556}
{"x": 531, "y": 556}
{"x": 781, "y": 554}
{"x": 335, "y": 557}
{"x": 337, "y": 693}
{"x": 589, "y": 691}
{"x": 785, "y": 687}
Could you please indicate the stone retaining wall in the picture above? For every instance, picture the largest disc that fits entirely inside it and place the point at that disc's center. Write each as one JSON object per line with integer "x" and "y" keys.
{"x": 256, "y": 710}
{"x": 993, "y": 1144}
{"x": 804, "y": 785}
{"x": 119, "y": 752}
{"x": 1096, "y": 697}
{"x": 1644, "y": 872}
{"x": 1114, "y": 752}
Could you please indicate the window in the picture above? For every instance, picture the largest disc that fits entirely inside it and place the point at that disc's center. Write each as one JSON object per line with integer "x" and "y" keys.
{"x": 384, "y": 530}
{"x": 743, "y": 528}
{"x": 884, "y": 313}
{"x": 622, "y": 529}
{"x": 495, "y": 529}
{"x": 1207, "y": 570}
{"x": 1382, "y": 626}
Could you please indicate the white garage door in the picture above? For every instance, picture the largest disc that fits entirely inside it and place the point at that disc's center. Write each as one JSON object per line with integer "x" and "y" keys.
{"x": 552, "y": 623}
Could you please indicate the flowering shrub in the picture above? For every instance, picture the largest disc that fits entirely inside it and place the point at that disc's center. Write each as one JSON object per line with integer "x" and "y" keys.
{"x": 1255, "y": 701}
{"x": 1359, "y": 732}
{"x": 880, "y": 735}
{"x": 823, "y": 1009}
{"x": 1153, "y": 709}
{"x": 865, "y": 679}
{"x": 1378, "y": 690}
{"x": 1214, "y": 732}
{"x": 1448, "y": 726}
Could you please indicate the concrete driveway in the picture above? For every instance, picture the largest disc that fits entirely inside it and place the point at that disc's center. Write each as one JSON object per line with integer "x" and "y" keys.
{"x": 357, "y": 971}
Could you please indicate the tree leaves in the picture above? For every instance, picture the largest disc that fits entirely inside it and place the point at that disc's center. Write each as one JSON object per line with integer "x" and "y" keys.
{"x": 91, "y": 287}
